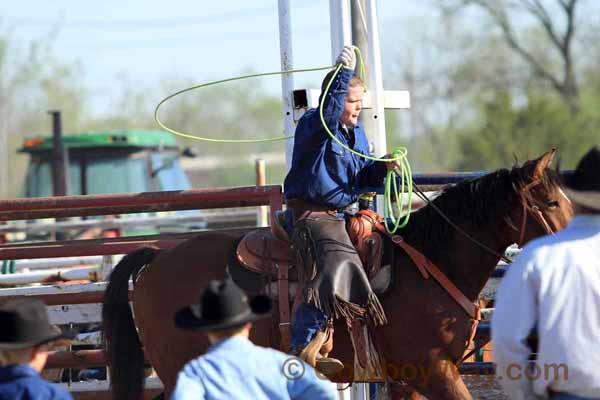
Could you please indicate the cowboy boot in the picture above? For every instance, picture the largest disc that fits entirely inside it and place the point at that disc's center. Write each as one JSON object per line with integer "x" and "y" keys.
{"x": 316, "y": 351}
{"x": 327, "y": 346}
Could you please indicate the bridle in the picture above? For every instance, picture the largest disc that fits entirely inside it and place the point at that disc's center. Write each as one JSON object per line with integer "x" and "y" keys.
{"x": 532, "y": 209}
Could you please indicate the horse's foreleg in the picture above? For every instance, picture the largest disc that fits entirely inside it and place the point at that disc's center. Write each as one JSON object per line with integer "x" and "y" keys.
{"x": 443, "y": 382}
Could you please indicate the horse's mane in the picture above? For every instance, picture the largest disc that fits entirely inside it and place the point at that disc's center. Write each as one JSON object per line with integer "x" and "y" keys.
{"x": 483, "y": 202}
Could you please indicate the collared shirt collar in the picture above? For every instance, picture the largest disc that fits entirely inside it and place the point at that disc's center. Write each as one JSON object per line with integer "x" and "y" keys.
{"x": 346, "y": 127}
{"x": 233, "y": 341}
{"x": 583, "y": 220}
{"x": 15, "y": 371}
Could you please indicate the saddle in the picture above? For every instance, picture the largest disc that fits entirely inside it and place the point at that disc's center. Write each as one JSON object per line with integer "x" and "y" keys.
{"x": 260, "y": 250}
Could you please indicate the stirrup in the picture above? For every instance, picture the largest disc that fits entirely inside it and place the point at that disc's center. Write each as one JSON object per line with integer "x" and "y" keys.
{"x": 329, "y": 366}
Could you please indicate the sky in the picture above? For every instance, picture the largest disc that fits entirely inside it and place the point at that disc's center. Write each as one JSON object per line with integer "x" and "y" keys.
{"x": 148, "y": 40}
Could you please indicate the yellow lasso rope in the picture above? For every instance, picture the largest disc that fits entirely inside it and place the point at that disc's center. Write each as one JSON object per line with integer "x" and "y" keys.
{"x": 203, "y": 85}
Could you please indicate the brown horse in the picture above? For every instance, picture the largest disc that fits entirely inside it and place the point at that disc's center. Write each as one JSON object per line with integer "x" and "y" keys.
{"x": 427, "y": 331}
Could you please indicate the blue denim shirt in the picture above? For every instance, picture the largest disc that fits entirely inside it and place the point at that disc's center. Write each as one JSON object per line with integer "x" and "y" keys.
{"x": 235, "y": 368}
{"x": 322, "y": 171}
{"x": 21, "y": 382}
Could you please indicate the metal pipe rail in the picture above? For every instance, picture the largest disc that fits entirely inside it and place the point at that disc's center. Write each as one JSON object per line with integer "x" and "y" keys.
{"x": 127, "y": 203}
{"x": 59, "y": 262}
{"x": 436, "y": 181}
{"x": 77, "y": 359}
{"x": 87, "y": 293}
{"x": 124, "y": 223}
{"x": 51, "y": 275}
{"x": 93, "y": 247}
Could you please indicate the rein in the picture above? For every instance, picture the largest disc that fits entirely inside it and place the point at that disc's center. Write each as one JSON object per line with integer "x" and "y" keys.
{"x": 491, "y": 251}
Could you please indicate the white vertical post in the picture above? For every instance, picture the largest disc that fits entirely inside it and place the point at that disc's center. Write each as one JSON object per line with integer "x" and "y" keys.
{"x": 360, "y": 391}
{"x": 344, "y": 391}
{"x": 287, "y": 80}
{"x": 375, "y": 79}
{"x": 339, "y": 25}
{"x": 341, "y": 35}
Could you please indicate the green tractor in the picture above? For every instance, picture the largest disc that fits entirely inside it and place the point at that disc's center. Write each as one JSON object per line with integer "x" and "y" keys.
{"x": 107, "y": 162}
{"x": 115, "y": 162}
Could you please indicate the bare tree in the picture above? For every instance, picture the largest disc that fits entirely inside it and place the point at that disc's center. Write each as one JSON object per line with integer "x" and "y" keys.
{"x": 563, "y": 81}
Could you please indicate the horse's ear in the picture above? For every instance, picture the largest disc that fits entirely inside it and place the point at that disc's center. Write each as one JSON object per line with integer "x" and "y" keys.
{"x": 543, "y": 162}
{"x": 516, "y": 159}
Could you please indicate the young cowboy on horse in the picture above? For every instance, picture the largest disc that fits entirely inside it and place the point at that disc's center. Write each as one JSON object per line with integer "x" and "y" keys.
{"x": 323, "y": 184}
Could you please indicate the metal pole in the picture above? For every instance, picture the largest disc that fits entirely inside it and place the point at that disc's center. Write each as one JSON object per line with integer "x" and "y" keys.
{"x": 359, "y": 38}
{"x": 261, "y": 180}
{"x": 360, "y": 391}
{"x": 287, "y": 80}
{"x": 60, "y": 158}
{"x": 339, "y": 25}
{"x": 375, "y": 79}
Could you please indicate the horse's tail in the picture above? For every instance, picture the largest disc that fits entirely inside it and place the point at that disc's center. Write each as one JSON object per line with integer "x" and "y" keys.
{"x": 121, "y": 342}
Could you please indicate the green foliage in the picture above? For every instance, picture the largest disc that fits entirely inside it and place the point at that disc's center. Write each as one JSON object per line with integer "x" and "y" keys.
{"x": 240, "y": 175}
{"x": 503, "y": 132}
{"x": 31, "y": 83}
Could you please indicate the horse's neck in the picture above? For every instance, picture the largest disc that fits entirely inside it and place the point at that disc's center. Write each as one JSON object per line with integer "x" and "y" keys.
{"x": 465, "y": 263}
{"x": 476, "y": 264}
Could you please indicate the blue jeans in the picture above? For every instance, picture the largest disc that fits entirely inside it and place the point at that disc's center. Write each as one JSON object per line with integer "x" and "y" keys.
{"x": 307, "y": 322}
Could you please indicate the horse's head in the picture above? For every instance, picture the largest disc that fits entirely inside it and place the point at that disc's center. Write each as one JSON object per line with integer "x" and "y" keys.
{"x": 542, "y": 206}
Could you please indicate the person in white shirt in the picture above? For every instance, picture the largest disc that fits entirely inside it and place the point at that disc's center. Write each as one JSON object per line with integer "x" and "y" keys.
{"x": 553, "y": 288}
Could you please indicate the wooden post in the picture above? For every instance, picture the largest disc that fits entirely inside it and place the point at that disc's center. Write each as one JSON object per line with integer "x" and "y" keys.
{"x": 261, "y": 180}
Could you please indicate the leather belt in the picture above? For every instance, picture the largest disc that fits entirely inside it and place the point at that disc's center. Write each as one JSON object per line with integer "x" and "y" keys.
{"x": 300, "y": 207}
{"x": 304, "y": 205}
{"x": 307, "y": 205}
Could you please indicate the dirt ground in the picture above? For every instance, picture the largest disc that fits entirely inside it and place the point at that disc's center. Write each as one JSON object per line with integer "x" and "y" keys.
{"x": 484, "y": 387}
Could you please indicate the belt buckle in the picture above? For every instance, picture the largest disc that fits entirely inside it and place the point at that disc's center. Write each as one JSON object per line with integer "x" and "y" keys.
{"x": 350, "y": 209}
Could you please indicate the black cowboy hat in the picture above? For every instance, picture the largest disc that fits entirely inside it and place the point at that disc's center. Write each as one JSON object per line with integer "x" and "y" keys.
{"x": 222, "y": 305}
{"x": 583, "y": 187}
{"x": 24, "y": 323}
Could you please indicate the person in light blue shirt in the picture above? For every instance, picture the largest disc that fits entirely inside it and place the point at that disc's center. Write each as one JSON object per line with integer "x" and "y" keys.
{"x": 234, "y": 367}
